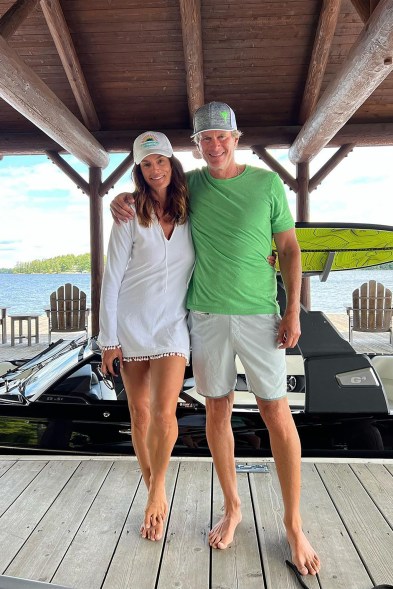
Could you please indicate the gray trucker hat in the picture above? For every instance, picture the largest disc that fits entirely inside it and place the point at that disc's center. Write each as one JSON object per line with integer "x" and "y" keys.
{"x": 214, "y": 116}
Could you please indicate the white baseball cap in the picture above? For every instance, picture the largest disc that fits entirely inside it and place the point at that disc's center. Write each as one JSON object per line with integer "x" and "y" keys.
{"x": 151, "y": 142}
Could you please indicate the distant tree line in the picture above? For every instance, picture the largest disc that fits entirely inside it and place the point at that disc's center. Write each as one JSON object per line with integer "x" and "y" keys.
{"x": 71, "y": 263}
{"x": 68, "y": 263}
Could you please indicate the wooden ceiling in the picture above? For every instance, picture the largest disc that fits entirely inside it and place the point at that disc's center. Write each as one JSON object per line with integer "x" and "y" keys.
{"x": 300, "y": 73}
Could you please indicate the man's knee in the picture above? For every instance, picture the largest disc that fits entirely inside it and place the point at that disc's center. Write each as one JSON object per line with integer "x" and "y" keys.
{"x": 276, "y": 414}
{"x": 219, "y": 411}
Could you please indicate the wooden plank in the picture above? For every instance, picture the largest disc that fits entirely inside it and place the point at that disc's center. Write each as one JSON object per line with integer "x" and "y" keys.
{"x": 18, "y": 522}
{"x": 378, "y": 482}
{"x": 185, "y": 560}
{"x": 367, "y": 528}
{"x": 5, "y": 465}
{"x": 240, "y": 564}
{"x": 90, "y": 553}
{"x": 328, "y": 535}
{"x": 42, "y": 553}
{"x": 15, "y": 479}
{"x": 136, "y": 561}
{"x": 266, "y": 496}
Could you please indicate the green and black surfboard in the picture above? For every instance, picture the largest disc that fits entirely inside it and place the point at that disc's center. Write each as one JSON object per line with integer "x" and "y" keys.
{"x": 328, "y": 247}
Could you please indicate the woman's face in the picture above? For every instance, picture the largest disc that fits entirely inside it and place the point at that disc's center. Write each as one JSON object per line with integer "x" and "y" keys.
{"x": 157, "y": 171}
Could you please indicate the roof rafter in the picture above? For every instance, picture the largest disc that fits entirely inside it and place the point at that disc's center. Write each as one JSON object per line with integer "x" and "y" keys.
{"x": 364, "y": 8}
{"x": 369, "y": 62}
{"x": 15, "y": 15}
{"x": 28, "y": 94}
{"x": 190, "y": 11}
{"x": 320, "y": 53}
{"x": 62, "y": 39}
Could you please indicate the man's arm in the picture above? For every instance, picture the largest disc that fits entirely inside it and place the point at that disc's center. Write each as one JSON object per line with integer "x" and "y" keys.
{"x": 291, "y": 271}
{"x": 120, "y": 207}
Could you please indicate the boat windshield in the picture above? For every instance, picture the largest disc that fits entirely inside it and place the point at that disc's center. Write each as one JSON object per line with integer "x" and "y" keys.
{"x": 42, "y": 379}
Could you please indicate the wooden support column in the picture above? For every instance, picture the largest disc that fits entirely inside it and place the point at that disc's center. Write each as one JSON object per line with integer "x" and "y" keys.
{"x": 190, "y": 11}
{"x": 303, "y": 214}
{"x": 96, "y": 246}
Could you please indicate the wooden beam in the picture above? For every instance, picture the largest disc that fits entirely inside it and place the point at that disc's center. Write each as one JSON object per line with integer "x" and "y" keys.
{"x": 96, "y": 246}
{"x": 362, "y": 134}
{"x": 362, "y": 7}
{"x": 62, "y": 39}
{"x": 319, "y": 58}
{"x": 275, "y": 166}
{"x": 68, "y": 171}
{"x": 190, "y": 11}
{"x": 116, "y": 174}
{"x": 329, "y": 166}
{"x": 15, "y": 15}
{"x": 29, "y": 95}
{"x": 369, "y": 62}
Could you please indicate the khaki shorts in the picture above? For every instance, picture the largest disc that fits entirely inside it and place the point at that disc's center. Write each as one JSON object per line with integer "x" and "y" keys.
{"x": 217, "y": 339}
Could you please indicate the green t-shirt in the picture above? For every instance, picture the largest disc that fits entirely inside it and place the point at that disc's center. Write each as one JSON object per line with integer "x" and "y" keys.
{"x": 232, "y": 224}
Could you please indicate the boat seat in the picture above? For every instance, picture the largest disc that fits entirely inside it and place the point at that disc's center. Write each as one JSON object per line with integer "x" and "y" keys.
{"x": 384, "y": 368}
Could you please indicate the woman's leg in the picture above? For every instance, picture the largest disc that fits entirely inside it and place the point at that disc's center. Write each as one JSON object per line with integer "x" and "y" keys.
{"x": 136, "y": 380}
{"x": 166, "y": 382}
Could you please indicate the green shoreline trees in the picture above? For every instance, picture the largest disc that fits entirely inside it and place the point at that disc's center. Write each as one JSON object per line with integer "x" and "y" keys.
{"x": 69, "y": 263}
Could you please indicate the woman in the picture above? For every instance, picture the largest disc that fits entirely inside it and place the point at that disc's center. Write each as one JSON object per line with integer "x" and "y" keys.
{"x": 143, "y": 314}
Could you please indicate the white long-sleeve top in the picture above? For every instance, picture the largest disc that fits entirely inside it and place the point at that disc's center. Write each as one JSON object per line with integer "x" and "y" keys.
{"x": 144, "y": 290}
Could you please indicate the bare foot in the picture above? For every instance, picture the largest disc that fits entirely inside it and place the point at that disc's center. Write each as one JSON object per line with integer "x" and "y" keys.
{"x": 155, "y": 513}
{"x": 304, "y": 556}
{"x": 221, "y": 535}
{"x": 154, "y": 533}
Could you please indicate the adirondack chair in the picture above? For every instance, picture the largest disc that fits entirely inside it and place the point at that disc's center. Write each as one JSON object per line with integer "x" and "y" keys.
{"x": 371, "y": 309}
{"x": 67, "y": 311}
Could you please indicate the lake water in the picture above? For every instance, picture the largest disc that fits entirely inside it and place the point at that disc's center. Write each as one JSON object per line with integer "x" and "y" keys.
{"x": 29, "y": 293}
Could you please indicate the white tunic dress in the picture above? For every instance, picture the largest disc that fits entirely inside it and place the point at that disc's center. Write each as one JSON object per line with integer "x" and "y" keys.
{"x": 144, "y": 291}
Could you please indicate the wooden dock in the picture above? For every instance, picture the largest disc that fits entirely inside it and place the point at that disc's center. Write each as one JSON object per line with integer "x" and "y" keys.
{"x": 75, "y": 521}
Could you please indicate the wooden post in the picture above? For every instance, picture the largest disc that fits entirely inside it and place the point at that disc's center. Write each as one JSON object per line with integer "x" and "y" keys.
{"x": 303, "y": 214}
{"x": 96, "y": 246}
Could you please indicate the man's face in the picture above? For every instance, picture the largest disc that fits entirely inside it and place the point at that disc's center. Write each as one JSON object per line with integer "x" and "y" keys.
{"x": 218, "y": 149}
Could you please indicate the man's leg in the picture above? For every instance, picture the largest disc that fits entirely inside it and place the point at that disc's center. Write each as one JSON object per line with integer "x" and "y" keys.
{"x": 221, "y": 444}
{"x": 285, "y": 445}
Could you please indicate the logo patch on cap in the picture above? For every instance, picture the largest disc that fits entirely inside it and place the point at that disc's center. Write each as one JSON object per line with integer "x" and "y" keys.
{"x": 149, "y": 141}
{"x": 224, "y": 115}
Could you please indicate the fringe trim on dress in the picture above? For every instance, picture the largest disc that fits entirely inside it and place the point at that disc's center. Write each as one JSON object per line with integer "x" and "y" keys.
{"x": 156, "y": 357}
{"x": 105, "y": 348}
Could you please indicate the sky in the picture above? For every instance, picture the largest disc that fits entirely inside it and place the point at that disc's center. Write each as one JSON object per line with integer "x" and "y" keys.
{"x": 43, "y": 213}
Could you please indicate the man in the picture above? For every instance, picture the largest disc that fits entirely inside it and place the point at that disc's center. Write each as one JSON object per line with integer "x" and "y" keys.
{"x": 235, "y": 209}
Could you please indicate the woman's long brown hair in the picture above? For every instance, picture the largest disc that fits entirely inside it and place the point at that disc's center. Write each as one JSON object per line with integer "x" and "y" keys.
{"x": 177, "y": 207}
